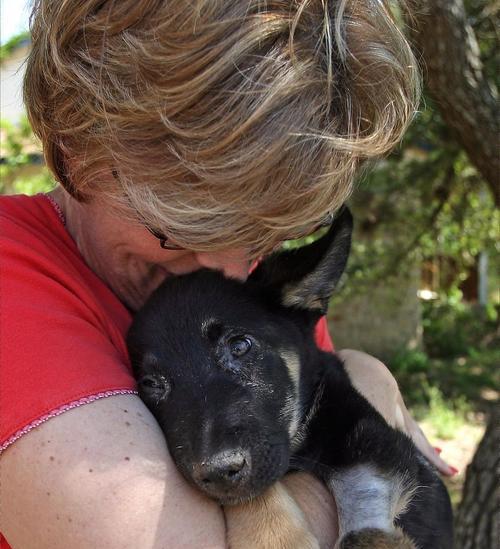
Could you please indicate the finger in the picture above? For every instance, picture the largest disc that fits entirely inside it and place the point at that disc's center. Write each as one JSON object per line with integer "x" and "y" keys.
{"x": 430, "y": 453}
{"x": 441, "y": 465}
{"x": 420, "y": 440}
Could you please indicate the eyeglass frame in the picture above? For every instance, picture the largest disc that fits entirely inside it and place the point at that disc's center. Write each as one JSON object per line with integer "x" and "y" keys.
{"x": 166, "y": 245}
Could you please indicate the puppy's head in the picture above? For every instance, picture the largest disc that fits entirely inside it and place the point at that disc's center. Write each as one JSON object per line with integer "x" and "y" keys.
{"x": 225, "y": 366}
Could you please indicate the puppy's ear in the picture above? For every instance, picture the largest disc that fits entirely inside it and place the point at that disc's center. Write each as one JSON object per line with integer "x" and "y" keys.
{"x": 306, "y": 277}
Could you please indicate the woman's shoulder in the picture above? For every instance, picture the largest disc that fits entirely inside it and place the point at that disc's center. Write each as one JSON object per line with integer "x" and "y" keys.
{"x": 62, "y": 328}
{"x": 40, "y": 260}
{"x": 36, "y": 248}
{"x": 23, "y": 206}
{"x": 32, "y": 219}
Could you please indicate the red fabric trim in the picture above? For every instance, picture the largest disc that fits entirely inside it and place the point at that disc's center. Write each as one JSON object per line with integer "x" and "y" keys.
{"x": 58, "y": 411}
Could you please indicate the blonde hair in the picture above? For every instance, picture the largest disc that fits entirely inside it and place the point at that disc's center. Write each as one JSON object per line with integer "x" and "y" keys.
{"x": 229, "y": 123}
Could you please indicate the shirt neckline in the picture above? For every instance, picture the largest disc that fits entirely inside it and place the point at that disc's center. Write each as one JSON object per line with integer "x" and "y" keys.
{"x": 56, "y": 207}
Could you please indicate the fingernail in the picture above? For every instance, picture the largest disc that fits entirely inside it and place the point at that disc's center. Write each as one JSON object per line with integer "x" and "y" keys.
{"x": 437, "y": 450}
{"x": 454, "y": 470}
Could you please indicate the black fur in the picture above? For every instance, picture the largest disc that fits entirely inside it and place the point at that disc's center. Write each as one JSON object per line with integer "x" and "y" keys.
{"x": 211, "y": 354}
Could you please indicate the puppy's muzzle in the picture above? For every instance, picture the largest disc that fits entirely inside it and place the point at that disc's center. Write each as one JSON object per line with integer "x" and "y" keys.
{"x": 224, "y": 471}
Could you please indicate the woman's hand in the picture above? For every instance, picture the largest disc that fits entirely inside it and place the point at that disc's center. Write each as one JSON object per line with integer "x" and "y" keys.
{"x": 411, "y": 427}
{"x": 376, "y": 383}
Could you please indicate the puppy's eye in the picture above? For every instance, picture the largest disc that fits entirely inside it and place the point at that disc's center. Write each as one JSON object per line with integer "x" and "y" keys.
{"x": 238, "y": 346}
{"x": 155, "y": 386}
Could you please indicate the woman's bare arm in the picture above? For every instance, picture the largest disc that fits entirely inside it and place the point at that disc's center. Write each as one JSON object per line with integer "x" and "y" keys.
{"x": 376, "y": 383}
{"x": 100, "y": 476}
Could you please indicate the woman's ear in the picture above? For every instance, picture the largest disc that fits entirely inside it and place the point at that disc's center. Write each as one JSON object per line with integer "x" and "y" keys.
{"x": 306, "y": 277}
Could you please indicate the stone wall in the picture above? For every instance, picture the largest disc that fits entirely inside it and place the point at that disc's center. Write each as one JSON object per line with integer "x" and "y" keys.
{"x": 382, "y": 321}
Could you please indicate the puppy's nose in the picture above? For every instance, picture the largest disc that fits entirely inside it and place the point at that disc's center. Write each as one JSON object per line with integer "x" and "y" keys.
{"x": 223, "y": 470}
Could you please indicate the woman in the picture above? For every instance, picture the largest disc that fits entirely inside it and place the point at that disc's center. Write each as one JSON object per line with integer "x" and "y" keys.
{"x": 183, "y": 135}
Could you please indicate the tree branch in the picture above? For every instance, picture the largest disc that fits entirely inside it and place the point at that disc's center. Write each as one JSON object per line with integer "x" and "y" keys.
{"x": 457, "y": 82}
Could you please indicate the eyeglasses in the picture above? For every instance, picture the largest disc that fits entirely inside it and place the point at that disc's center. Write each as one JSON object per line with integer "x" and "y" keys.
{"x": 323, "y": 224}
{"x": 164, "y": 241}
{"x": 166, "y": 244}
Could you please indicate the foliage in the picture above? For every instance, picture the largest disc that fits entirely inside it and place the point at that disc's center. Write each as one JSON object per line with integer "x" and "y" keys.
{"x": 426, "y": 200}
{"x": 459, "y": 367}
{"x": 484, "y": 15}
{"x": 41, "y": 182}
{"x": 14, "y": 139}
{"x": 11, "y": 44}
{"x": 446, "y": 417}
{"x": 451, "y": 328}
{"x": 21, "y": 170}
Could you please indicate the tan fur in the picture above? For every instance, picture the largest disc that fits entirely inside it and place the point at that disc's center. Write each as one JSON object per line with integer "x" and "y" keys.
{"x": 270, "y": 521}
{"x": 292, "y": 363}
{"x": 290, "y": 412}
{"x": 370, "y": 538}
{"x": 406, "y": 490}
{"x": 301, "y": 433}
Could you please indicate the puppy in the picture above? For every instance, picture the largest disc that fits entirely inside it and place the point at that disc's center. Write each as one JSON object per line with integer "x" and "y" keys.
{"x": 233, "y": 375}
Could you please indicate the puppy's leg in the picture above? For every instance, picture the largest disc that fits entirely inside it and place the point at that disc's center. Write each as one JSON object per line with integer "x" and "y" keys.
{"x": 270, "y": 521}
{"x": 368, "y": 502}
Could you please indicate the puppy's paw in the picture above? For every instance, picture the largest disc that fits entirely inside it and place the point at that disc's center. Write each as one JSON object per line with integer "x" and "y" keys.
{"x": 371, "y": 538}
{"x": 270, "y": 521}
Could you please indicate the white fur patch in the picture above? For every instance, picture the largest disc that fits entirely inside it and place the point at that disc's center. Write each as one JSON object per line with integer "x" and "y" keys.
{"x": 368, "y": 499}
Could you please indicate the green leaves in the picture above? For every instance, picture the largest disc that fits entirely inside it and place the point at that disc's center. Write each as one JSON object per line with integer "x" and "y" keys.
{"x": 21, "y": 168}
{"x": 423, "y": 202}
{"x": 9, "y": 46}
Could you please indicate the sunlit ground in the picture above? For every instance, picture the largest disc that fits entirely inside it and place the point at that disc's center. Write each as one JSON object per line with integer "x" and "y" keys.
{"x": 459, "y": 450}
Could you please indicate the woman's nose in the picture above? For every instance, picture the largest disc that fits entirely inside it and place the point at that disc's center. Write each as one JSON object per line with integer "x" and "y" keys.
{"x": 232, "y": 263}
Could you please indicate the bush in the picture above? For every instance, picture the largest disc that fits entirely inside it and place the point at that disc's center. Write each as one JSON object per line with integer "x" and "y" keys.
{"x": 446, "y": 417}
{"x": 453, "y": 329}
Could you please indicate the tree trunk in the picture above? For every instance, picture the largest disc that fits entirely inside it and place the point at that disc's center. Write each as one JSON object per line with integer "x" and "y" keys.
{"x": 456, "y": 80}
{"x": 477, "y": 521}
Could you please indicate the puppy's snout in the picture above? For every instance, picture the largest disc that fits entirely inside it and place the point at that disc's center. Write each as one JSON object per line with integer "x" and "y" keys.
{"x": 223, "y": 470}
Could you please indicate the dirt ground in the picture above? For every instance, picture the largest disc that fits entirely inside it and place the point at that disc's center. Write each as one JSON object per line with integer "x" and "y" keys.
{"x": 458, "y": 451}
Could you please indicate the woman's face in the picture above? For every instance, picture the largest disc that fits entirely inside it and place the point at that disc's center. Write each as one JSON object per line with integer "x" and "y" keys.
{"x": 129, "y": 259}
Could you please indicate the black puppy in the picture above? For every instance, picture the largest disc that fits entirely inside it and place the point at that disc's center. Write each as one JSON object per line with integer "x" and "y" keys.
{"x": 232, "y": 373}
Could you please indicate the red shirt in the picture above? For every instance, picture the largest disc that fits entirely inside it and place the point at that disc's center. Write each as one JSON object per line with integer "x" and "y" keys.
{"x": 62, "y": 330}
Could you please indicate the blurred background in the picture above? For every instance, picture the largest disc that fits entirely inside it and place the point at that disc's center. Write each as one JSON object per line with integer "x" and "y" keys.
{"x": 422, "y": 290}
